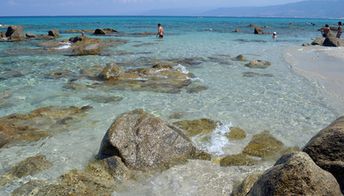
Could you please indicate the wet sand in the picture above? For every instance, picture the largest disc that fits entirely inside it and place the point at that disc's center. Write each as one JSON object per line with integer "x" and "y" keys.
{"x": 323, "y": 66}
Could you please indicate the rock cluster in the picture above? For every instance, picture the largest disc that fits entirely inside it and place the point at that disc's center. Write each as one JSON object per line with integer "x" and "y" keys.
{"x": 318, "y": 170}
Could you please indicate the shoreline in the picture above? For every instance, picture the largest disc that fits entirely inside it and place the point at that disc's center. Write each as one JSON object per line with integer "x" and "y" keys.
{"x": 322, "y": 66}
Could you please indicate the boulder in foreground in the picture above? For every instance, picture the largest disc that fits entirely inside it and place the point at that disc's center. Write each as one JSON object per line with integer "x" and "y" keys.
{"x": 327, "y": 150}
{"x": 145, "y": 142}
{"x": 296, "y": 174}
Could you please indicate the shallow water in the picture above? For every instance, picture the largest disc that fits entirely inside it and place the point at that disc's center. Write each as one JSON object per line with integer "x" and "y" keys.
{"x": 289, "y": 106}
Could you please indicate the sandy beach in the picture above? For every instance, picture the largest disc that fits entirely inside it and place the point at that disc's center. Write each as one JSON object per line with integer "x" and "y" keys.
{"x": 324, "y": 67}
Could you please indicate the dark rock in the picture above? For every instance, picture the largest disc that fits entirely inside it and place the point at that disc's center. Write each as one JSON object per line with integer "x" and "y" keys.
{"x": 54, "y": 33}
{"x": 296, "y": 174}
{"x": 258, "y": 30}
{"x": 76, "y": 39}
{"x": 332, "y": 41}
{"x": 104, "y": 99}
{"x": 326, "y": 149}
{"x": 15, "y": 33}
{"x": 145, "y": 142}
{"x": 105, "y": 31}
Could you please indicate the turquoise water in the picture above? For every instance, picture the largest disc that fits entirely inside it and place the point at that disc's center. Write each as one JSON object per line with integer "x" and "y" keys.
{"x": 292, "y": 108}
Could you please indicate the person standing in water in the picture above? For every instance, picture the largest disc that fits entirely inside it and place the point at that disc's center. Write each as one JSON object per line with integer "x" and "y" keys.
{"x": 161, "y": 31}
{"x": 274, "y": 35}
{"x": 340, "y": 30}
{"x": 326, "y": 31}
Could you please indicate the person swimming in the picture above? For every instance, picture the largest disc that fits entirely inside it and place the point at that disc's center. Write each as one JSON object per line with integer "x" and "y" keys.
{"x": 161, "y": 31}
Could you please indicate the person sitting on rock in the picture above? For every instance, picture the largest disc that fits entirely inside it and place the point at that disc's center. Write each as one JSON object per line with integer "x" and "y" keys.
{"x": 161, "y": 31}
{"x": 326, "y": 31}
{"x": 340, "y": 30}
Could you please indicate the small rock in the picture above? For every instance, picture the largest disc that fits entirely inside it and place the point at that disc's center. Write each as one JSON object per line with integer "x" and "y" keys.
{"x": 238, "y": 160}
{"x": 196, "y": 127}
{"x": 236, "y": 133}
{"x": 54, "y": 33}
{"x": 263, "y": 145}
{"x": 111, "y": 71}
{"x": 240, "y": 58}
{"x": 259, "y": 64}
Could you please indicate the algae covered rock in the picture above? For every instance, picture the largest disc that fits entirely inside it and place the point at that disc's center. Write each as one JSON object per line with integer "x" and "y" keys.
{"x": 145, "y": 142}
{"x": 98, "y": 178}
{"x": 111, "y": 71}
{"x": 263, "y": 145}
{"x": 258, "y": 64}
{"x": 236, "y": 133}
{"x": 87, "y": 46}
{"x": 29, "y": 166}
{"x": 244, "y": 188}
{"x": 238, "y": 160}
{"x": 326, "y": 149}
{"x": 38, "y": 124}
{"x": 196, "y": 127}
{"x": 296, "y": 174}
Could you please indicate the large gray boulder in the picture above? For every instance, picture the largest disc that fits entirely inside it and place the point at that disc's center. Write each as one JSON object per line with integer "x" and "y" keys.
{"x": 296, "y": 174}
{"x": 327, "y": 149}
{"x": 145, "y": 142}
{"x": 15, "y": 33}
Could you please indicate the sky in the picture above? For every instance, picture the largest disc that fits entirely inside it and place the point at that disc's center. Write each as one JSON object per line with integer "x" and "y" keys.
{"x": 117, "y": 7}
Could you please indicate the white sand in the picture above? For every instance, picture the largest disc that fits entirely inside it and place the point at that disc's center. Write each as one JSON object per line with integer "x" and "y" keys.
{"x": 323, "y": 66}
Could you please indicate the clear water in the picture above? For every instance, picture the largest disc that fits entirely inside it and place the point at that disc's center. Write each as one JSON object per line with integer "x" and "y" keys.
{"x": 289, "y": 106}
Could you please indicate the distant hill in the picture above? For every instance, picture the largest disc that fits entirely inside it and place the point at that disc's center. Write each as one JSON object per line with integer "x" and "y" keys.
{"x": 309, "y": 9}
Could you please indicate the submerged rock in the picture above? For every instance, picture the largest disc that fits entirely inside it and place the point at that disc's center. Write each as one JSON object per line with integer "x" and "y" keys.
{"x": 326, "y": 149}
{"x": 254, "y": 74}
{"x": 156, "y": 79}
{"x": 87, "y": 46}
{"x": 296, "y": 174}
{"x": 145, "y": 142}
{"x": 238, "y": 160}
{"x": 103, "y": 99}
{"x": 37, "y": 124}
{"x": 29, "y": 166}
{"x": 196, "y": 87}
{"x": 98, "y": 178}
{"x": 236, "y": 133}
{"x": 263, "y": 145}
{"x": 260, "y": 64}
{"x": 196, "y": 127}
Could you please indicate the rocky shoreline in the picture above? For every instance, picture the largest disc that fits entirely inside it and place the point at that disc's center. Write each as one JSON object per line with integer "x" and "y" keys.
{"x": 138, "y": 143}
